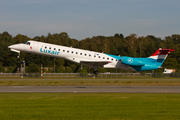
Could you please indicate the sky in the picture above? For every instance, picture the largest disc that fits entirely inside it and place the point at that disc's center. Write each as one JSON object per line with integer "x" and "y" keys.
{"x": 83, "y": 19}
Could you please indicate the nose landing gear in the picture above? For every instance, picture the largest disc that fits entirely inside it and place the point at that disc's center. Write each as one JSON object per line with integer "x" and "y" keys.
{"x": 18, "y": 55}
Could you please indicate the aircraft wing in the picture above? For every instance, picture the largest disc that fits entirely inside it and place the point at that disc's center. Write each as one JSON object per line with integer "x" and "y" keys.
{"x": 95, "y": 63}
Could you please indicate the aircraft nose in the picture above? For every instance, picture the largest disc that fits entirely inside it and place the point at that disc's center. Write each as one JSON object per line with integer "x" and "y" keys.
{"x": 13, "y": 46}
{"x": 16, "y": 46}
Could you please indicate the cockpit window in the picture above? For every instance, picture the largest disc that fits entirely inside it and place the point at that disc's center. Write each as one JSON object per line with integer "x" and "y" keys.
{"x": 27, "y": 43}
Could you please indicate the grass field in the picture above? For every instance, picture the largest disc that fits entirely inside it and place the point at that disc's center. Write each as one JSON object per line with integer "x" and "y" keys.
{"x": 96, "y": 106}
{"x": 90, "y": 82}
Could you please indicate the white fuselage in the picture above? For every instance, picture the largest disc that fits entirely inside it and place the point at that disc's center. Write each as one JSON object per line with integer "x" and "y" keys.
{"x": 73, "y": 54}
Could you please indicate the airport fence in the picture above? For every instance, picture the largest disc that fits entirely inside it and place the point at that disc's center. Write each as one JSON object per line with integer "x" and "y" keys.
{"x": 83, "y": 75}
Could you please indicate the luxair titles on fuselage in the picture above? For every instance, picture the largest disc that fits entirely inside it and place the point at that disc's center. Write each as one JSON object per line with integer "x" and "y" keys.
{"x": 53, "y": 52}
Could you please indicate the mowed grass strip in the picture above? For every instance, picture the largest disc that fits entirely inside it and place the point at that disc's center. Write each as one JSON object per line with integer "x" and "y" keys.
{"x": 95, "y": 82}
{"x": 88, "y": 106}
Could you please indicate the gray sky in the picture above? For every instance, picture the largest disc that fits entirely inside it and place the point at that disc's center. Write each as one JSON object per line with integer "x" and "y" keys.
{"x": 88, "y": 18}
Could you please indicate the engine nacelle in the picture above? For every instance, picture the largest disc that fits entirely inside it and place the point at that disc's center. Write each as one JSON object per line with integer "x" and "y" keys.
{"x": 131, "y": 61}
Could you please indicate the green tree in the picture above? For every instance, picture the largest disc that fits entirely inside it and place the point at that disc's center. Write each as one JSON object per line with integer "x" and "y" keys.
{"x": 20, "y": 38}
{"x": 33, "y": 68}
{"x": 131, "y": 42}
{"x": 1, "y": 68}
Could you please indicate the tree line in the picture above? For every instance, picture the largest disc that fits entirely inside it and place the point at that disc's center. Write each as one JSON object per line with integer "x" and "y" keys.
{"x": 117, "y": 45}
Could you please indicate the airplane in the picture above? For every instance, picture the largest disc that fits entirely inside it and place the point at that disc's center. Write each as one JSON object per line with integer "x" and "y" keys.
{"x": 92, "y": 58}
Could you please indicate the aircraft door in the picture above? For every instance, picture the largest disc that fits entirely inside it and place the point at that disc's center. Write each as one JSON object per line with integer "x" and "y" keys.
{"x": 35, "y": 48}
{"x": 29, "y": 46}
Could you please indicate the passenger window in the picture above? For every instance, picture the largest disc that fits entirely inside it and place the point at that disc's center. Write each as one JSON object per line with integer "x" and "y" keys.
{"x": 107, "y": 58}
{"x": 89, "y": 55}
{"x": 112, "y": 59}
{"x": 45, "y": 47}
{"x": 94, "y": 55}
{"x": 54, "y": 48}
{"x": 63, "y": 50}
{"x": 99, "y": 56}
{"x": 58, "y": 49}
{"x": 49, "y": 47}
{"x": 103, "y": 57}
{"x": 76, "y": 52}
{"x": 85, "y": 54}
{"x": 68, "y": 51}
{"x": 80, "y": 53}
{"x": 72, "y": 52}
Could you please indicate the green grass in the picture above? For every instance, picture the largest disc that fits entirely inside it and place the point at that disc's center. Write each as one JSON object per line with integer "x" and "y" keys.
{"x": 86, "y": 78}
{"x": 90, "y": 82}
{"x": 88, "y": 106}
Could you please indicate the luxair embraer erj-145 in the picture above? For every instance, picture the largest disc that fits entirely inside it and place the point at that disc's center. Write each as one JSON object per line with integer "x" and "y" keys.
{"x": 94, "y": 59}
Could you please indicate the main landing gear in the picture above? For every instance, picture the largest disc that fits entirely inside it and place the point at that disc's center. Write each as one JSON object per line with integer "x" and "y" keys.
{"x": 95, "y": 71}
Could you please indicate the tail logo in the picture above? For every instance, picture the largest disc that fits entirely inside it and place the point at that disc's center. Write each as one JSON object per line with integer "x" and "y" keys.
{"x": 130, "y": 60}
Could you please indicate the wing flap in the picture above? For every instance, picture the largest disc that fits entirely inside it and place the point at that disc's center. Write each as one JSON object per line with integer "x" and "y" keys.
{"x": 95, "y": 63}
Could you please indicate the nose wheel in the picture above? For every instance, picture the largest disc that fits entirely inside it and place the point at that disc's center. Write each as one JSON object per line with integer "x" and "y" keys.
{"x": 95, "y": 72}
{"x": 18, "y": 55}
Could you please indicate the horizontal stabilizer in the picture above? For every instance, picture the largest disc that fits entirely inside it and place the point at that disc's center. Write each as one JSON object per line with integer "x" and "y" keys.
{"x": 161, "y": 53}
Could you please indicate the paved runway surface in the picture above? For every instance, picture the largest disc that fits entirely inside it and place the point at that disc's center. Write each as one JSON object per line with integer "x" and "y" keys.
{"x": 90, "y": 89}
